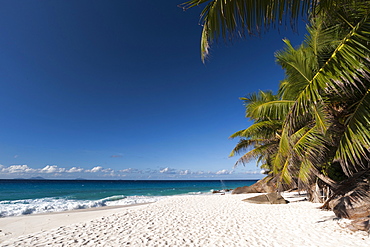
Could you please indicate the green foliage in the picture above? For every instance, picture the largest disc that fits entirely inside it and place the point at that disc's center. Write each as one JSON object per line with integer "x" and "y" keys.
{"x": 334, "y": 171}
{"x": 260, "y": 141}
{"x": 319, "y": 123}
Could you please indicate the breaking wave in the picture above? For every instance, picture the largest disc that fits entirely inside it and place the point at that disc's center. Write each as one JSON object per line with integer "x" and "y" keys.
{"x": 49, "y": 205}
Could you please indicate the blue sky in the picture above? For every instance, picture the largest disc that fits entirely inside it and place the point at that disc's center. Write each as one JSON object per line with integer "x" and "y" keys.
{"x": 116, "y": 90}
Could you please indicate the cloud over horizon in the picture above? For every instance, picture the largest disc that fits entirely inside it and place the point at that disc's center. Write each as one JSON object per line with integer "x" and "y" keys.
{"x": 53, "y": 171}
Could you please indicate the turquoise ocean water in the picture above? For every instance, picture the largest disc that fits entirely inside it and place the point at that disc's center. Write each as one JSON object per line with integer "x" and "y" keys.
{"x": 22, "y": 197}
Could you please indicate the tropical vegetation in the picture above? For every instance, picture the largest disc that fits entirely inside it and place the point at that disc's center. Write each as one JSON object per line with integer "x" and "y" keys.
{"x": 314, "y": 133}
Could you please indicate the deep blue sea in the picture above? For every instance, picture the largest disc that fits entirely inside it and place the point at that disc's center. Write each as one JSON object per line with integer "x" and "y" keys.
{"x": 22, "y": 197}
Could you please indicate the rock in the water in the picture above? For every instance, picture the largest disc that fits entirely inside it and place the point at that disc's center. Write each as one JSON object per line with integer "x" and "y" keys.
{"x": 270, "y": 198}
{"x": 264, "y": 185}
{"x": 220, "y": 191}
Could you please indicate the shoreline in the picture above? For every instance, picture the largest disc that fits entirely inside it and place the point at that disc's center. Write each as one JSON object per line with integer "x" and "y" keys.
{"x": 192, "y": 220}
{"x": 84, "y": 210}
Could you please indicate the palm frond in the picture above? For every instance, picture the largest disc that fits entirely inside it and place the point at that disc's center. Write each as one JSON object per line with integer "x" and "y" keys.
{"x": 264, "y": 129}
{"x": 244, "y": 145}
{"x": 299, "y": 153}
{"x": 345, "y": 63}
{"x": 234, "y": 18}
{"x": 265, "y": 105}
{"x": 310, "y": 144}
{"x": 354, "y": 145}
{"x": 230, "y": 18}
{"x": 261, "y": 152}
{"x": 285, "y": 175}
{"x": 299, "y": 65}
{"x": 283, "y": 153}
{"x": 305, "y": 171}
{"x": 274, "y": 110}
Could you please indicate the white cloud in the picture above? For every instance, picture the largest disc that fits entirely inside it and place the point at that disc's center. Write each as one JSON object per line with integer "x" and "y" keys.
{"x": 130, "y": 170}
{"x": 75, "y": 169}
{"x": 16, "y": 169}
{"x": 111, "y": 174}
{"x": 52, "y": 169}
{"x": 185, "y": 172}
{"x": 168, "y": 170}
{"x": 164, "y": 170}
{"x": 224, "y": 172}
{"x": 96, "y": 169}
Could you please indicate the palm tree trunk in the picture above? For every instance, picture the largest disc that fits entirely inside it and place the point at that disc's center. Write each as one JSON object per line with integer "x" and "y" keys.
{"x": 315, "y": 193}
{"x": 331, "y": 183}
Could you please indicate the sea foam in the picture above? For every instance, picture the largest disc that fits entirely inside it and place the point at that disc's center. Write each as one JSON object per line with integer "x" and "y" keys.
{"x": 48, "y": 205}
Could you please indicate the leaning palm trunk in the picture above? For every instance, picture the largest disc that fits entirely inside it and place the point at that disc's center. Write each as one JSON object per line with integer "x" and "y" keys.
{"x": 315, "y": 193}
{"x": 319, "y": 189}
{"x": 356, "y": 188}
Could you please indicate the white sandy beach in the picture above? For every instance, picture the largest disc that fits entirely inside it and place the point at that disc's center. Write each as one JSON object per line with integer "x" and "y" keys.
{"x": 201, "y": 220}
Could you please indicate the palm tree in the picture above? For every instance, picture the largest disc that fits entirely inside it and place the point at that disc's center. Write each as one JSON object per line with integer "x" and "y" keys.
{"x": 329, "y": 122}
{"x": 261, "y": 139}
{"x": 303, "y": 147}
{"x": 337, "y": 85}
{"x": 327, "y": 125}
